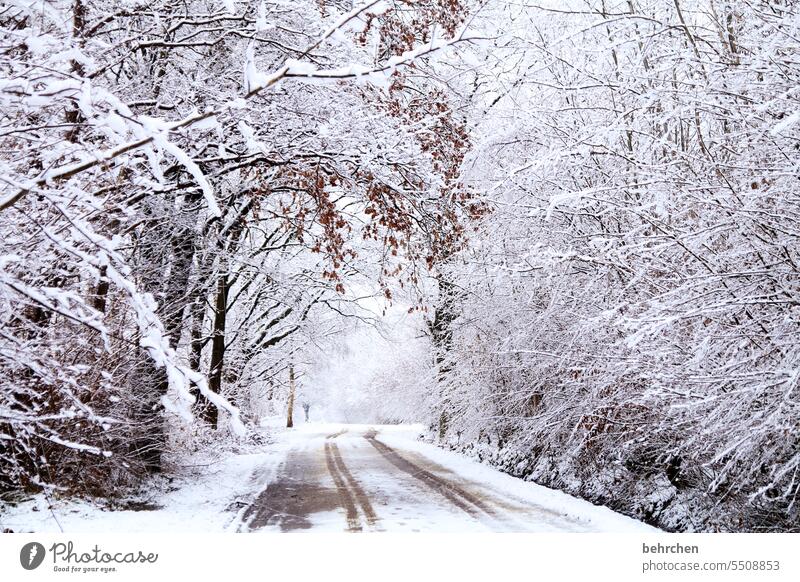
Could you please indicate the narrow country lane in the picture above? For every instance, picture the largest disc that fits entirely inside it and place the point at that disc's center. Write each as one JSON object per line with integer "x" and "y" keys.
{"x": 371, "y": 479}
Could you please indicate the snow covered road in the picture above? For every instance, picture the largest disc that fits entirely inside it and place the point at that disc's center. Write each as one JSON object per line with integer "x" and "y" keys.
{"x": 360, "y": 478}
{"x": 330, "y": 478}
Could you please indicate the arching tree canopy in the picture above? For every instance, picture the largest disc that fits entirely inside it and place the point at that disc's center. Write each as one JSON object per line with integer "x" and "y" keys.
{"x": 562, "y": 234}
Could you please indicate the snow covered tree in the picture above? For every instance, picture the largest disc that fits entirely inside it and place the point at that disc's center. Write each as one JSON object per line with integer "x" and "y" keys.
{"x": 158, "y": 163}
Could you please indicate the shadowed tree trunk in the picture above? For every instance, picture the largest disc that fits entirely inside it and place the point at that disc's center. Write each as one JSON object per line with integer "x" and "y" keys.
{"x": 171, "y": 293}
{"x": 210, "y": 413}
{"x": 225, "y": 281}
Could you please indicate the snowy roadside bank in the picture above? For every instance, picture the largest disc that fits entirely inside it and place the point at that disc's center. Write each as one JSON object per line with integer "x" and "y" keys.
{"x": 650, "y": 499}
{"x": 487, "y": 475}
{"x": 206, "y": 493}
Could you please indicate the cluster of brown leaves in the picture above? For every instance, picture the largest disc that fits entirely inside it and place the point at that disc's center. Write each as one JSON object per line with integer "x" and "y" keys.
{"x": 311, "y": 202}
{"x": 395, "y": 217}
{"x": 412, "y": 21}
{"x": 446, "y": 140}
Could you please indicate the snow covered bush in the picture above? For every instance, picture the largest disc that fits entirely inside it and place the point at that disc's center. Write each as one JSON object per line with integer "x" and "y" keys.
{"x": 629, "y": 311}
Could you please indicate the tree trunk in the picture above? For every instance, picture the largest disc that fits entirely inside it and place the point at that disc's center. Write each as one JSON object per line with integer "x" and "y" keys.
{"x": 196, "y": 342}
{"x": 290, "y": 407}
{"x": 210, "y": 413}
{"x": 442, "y": 339}
{"x": 173, "y": 300}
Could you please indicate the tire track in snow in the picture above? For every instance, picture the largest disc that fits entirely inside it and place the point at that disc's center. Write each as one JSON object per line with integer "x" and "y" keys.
{"x": 360, "y": 495}
{"x": 462, "y": 499}
{"x": 336, "y": 434}
{"x": 348, "y": 502}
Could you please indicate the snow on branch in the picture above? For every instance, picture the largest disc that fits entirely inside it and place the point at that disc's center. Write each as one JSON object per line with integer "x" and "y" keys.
{"x": 255, "y": 84}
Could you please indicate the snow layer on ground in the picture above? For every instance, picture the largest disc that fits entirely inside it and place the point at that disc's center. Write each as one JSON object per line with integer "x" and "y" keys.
{"x": 210, "y": 496}
{"x": 601, "y": 518}
{"x": 207, "y": 498}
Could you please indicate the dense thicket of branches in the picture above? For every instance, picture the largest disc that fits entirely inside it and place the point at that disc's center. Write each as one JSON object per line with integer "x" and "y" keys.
{"x": 628, "y": 316}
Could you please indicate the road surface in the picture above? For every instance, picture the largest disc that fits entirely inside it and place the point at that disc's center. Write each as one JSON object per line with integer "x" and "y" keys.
{"x": 370, "y": 479}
